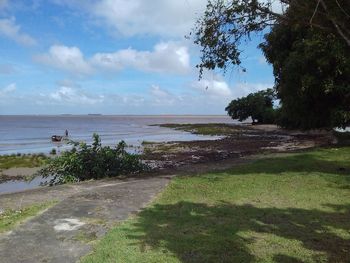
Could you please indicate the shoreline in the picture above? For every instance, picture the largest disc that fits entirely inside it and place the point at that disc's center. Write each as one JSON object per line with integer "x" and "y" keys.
{"x": 236, "y": 142}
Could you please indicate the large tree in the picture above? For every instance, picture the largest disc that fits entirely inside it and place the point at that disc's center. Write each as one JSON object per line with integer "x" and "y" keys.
{"x": 307, "y": 44}
{"x": 312, "y": 76}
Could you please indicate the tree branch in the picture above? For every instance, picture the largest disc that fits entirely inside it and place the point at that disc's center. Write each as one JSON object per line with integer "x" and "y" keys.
{"x": 315, "y": 11}
{"x": 337, "y": 27}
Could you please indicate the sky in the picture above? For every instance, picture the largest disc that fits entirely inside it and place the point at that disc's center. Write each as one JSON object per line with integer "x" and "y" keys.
{"x": 114, "y": 57}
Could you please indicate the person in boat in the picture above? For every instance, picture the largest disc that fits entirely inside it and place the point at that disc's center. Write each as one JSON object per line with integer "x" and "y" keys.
{"x": 56, "y": 138}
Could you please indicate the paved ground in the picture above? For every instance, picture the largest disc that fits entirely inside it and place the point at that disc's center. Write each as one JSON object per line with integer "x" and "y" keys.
{"x": 84, "y": 213}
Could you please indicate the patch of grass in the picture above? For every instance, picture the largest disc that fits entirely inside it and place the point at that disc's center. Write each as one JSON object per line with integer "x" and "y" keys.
{"x": 206, "y": 129}
{"x": 164, "y": 148}
{"x": 147, "y": 143}
{"x": 86, "y": 237}
{"x": 9, "y": 219}
{"x": 282, "y": 209}
{"x": 30, "y": 160}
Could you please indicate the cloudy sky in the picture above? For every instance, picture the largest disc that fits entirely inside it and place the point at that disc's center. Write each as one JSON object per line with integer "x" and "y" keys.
{"x": 113, "y": 57}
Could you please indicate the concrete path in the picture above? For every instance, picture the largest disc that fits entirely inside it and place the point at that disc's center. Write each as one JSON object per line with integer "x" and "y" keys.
{"x": 85, "y": 213}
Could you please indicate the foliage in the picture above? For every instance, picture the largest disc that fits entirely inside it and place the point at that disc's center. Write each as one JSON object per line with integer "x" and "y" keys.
{"x": 225, "y": 24}
{"x": 312, "y": 76}
{"x": 205, "y": 128}
{"x": 290, "y": 208}
{"x": 258, "y": 106}
{"x": 85, "y": 162}
{"x": 308, "y": 46}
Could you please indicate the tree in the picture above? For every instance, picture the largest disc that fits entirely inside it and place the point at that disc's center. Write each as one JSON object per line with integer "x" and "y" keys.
{"x": 312, "y": 76}
{"x": 308, "y": 46}
{"x": 258, "y": 106}
{"x": 225, "y": 24}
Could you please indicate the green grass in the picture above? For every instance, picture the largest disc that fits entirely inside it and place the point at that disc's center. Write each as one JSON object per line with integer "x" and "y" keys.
{"x": 147, "y": 143}
{"x": 294, "y": 208}
{"x": 30, "y": 160}
{"x": 206, "y": 129}
{"x": 9, "y": 219}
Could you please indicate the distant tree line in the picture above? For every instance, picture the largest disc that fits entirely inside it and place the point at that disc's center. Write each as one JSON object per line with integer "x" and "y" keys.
{"x": 308, "y": 45}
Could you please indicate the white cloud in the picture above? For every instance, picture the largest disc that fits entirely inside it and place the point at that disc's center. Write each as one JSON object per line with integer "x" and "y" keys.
{"x": 9, "y": 29}
{"x": 69, "y": 59}
{"x": 161, "y": 96}
{"x": 166, "y": 57}
{"x": 8, "y": 89}
{"x": 160, "y": 17}
{"x": 142, "y": 17}
{"x": 167, "y": 18}
{"x": 243, "y": 89}
{"x": 70, "y": 95}
{"x": 214, "y": 86}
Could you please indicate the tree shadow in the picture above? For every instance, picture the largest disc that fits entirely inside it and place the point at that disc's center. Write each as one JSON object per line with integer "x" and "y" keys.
{"x": 298, "y": 163}
{"x": 197, "y": 232}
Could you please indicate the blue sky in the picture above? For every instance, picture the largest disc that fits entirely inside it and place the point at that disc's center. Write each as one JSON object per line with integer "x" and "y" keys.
{"x": 113, "y": 57}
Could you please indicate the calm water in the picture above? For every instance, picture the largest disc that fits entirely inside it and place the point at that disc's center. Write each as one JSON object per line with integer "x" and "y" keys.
{"x": 32, "y": 134}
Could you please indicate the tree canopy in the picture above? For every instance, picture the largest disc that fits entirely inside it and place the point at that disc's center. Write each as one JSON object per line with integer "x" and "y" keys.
{"x": 312, "y": 77}
{"x": 258, "y": 106}
{"x": 226, "y": 23}
{"x": 307, "y": 43}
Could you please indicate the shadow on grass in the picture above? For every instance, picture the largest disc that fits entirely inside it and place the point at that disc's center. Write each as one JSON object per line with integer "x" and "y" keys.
{"x": 300, "y": 163}
{"x": 227, "y": 232}
{"x": 297, "y": 163}
{"x": 196, "y": 232}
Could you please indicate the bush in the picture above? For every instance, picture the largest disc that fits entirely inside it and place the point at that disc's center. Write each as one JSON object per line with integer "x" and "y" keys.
{"x": 53, "y": 151}
{"x": 85, "y": 162}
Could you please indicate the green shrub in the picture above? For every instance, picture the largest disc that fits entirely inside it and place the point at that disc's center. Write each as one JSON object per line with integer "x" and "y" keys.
{"x": 85, "y": 162}
{"x": 53, "y": 151}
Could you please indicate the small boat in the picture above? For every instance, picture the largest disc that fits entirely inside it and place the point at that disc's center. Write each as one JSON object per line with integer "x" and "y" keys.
{"x": 56, "y": 138}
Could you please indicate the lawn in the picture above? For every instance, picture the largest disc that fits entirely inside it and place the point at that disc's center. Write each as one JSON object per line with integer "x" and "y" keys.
{"x": 292, "y": 208}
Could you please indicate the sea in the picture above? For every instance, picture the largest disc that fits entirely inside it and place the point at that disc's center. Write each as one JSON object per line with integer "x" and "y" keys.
{"x": 32, "y": 134}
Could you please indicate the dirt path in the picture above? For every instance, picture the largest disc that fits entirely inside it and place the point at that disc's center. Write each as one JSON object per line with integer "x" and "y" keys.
{"x": 84, "y": 213}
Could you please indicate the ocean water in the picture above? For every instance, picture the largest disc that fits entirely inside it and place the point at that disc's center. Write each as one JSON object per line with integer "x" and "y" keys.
{"x": 32, "y": 134}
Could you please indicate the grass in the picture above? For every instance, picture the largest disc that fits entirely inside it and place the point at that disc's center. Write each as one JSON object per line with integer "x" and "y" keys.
{"x": 9, "y": 219}
{"x": 30, "y": 160}
{"x": 293, "y": 208}
{"x": 147, "y": 143}
{"x": 206, "y": 129}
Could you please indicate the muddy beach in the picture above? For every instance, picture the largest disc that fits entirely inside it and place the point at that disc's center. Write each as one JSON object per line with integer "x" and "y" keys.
{"x": 236, "y": 143}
